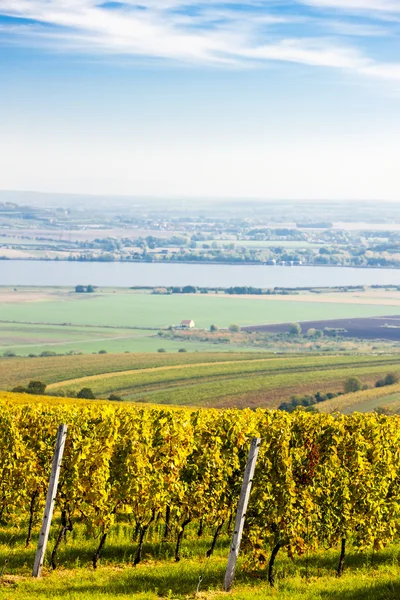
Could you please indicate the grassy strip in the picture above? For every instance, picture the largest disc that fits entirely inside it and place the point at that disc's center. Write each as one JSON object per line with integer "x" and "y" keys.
{"x": 348, "y": 402}
{"x": 19, "y": 371}
{"x": 370, "y": 576}
{"x": 108, "y": 382}
{"x": 211, "y": 393}
{"x": 130, "y": 309}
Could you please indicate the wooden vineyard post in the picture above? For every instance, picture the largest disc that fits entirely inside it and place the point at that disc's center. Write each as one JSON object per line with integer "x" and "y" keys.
{"x": 50, "y": 498}
{"x": 241, "y": 513}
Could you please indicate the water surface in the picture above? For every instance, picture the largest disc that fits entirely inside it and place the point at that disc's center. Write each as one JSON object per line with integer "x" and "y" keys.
{"x": 118, "y": 274}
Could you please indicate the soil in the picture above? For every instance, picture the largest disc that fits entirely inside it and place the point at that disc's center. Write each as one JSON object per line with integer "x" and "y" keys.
{"x": 369, "y": 328}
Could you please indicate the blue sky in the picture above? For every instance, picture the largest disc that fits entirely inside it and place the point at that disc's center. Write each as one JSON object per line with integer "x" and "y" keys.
{"x": 261, "y": 99}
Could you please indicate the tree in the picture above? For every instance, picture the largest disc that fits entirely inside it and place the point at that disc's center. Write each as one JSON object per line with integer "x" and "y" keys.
{"x": 234, "y": 328}
{"x": 182, "y": 350}
{"x": 161, "y": 350}
{"x": 311, "y": 332}
{"x": 189, "y": 289}
{"x": 36, "y": 387}
{"x": 114, "y": 397}
{"x": 352, "y": 384}
{"x": 79, "y": 289}
{"x": 90, "y": 289}
{"x": 295, "y": 329}
{"x": 86, "y": 393}
{"x": 391, "y": 379}
{"x": 214, "y": 328}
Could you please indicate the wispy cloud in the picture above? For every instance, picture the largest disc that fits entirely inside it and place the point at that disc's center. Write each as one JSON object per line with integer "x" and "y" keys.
{"x": 357, "y": 5}
{"x": 217, "y": 32}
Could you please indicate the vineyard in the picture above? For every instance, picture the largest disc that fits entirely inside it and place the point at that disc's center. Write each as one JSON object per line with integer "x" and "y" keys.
{"x": 321, "y": 481}
{"x": 209, "y": 380}
{"x": 256, "y": 382}
{"x": 53, "y": 369}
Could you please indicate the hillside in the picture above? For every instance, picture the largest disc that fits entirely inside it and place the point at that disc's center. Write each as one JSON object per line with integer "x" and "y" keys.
{"x": 213, "y": 380}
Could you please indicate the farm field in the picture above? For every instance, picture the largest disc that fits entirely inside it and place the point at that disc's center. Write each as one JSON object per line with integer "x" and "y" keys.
{"x": 56, "y": 319}
{"x": 52, "y": 369}
{"x": 212, "y": 380}
{"x": 160, "y": 311}
{"x": 386, "y": 327}
{"x": 24, "y": 339}
{"x": 387, "y": 398}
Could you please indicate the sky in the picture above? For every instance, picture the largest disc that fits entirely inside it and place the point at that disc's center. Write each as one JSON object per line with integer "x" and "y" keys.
{"x": 190, "y": 98}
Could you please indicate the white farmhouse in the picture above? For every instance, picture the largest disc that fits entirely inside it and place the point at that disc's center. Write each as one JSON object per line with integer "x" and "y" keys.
{"x": 186, "y": 324}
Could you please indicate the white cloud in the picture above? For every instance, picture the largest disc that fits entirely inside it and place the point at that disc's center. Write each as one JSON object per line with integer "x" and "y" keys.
{"x": 211, "y": 34}
{"x": 357, "y": 5}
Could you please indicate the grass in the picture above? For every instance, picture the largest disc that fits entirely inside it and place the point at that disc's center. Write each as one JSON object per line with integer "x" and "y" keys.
{"x": 127, "y": 309}
{"x": 19, "y": 371}
{"x": 263, "y": 382}
{"x": 367, "y": 576}
{"x": 205, "y": 379}
{"x": 363, "y": 401}
{"x": 24, "y": 339}
{"x": 34, "y": 321}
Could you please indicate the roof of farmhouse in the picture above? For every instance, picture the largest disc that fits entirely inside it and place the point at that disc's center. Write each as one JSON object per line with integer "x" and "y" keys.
{"x": 187, "y": 321}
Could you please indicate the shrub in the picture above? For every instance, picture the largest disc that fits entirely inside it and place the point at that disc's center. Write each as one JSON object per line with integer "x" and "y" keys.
{"x": 161, "y": 350}
{"x": 59, "y": 393}
{"x": 234, "y": 328}
{"x": 36, "y": 387}
{"x": 48, "y": 353}
{"x": 114, "y": 397}
{"x": 102, "y": 351}
{"x": 86, "y": 393}
{"x": 214, "y": 328}
{"x": 9, "y": 354}
{"x": 295, "y": 329}
{"x": 391, "y": 379}
{"x": 182, "y": 350}
{"x": 352, "y": 384}
{"x": 19, "y": 389}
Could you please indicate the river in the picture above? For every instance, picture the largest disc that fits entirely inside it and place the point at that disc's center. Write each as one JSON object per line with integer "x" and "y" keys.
{"x": 118, "y": 274}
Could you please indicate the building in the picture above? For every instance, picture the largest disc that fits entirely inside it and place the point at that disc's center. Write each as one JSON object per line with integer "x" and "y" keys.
{"x": 186, "y": 324}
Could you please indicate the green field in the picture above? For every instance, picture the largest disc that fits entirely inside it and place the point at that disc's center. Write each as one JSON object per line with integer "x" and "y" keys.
{"x": 197, "y": 379}
{"x": 156, "y": 311}
{"x": 120, "y": 321}
{"x": 387, "y": 397}
{"x": 52, "y": 369}
{"x": 24, "y": 339}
